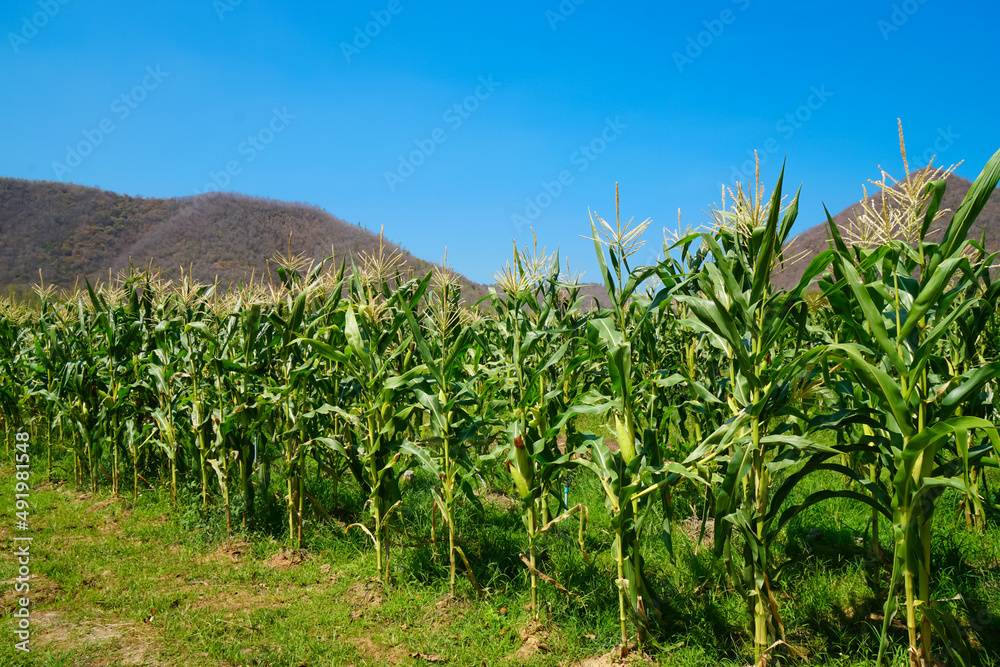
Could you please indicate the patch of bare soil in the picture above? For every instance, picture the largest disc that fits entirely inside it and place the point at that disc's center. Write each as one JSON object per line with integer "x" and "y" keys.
{"x": 394, "y": 655}
{"x": 285, "y": 560}
{"x": 439, "y": 617}
{"x": 364, "y": 596}
{"x": 613, "y": 659}
{"x": 77, "y": 496}
{"x": 41, "y": 591}
{"x": 872, "y": 613}
{"x": 96, "y": 507}
{"x": 229, "y": 553}
{"x": 691, "y": 527}
{"x": 124, "y": 643}
{"x": 110, "y": 526}
{"x": 239, "y": 601}
{"x": 493, "y": 497}
{"x": 326, "y": 577}
{"x": 428, "y": 657}
{"x": 179, "y": 583}
{"x": 534, "y": 638}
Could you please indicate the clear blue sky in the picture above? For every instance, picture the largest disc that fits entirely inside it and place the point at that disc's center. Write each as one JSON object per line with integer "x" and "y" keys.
{"x": 669, "y": 99}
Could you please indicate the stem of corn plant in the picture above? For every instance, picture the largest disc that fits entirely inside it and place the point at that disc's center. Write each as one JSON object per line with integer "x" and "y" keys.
{"x": 758, "y": 484}
{"x": 622, "y": 583}
{"x": 926, "y": 469}
{"x": 449, "y": 500}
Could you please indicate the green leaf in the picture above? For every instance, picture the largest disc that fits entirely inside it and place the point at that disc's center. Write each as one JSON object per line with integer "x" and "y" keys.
{"x": 873, "y": 316}
{"x": 972, "y": 386}
{"x": 798, "y": 443}
{"x": 932, "y": 434}
{"x": 354, "y": 340}
{"x": 765, "y": 259}
{"x": 833, "y": 233}
{"x": 980, "y": 192}
{"x": 609, "y": 281}
{"x": 931, "y": 288}
{"x": 427, "y": 461}
{"x": 425, "y": 352}
{"x": 818, "y": 496}
{"x": 324, "y": 349}
{"x": 879, "y": 382}
{"x": 936, "y": 191}
{"x": 636, "y": 278}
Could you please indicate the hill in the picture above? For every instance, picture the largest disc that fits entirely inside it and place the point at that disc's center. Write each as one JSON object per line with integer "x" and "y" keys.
{"x": 814, "y": 240}
{"x": 70, "y": 232}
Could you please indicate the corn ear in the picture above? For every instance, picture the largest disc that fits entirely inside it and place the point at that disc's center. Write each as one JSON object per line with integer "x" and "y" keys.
{"x": 626, "y": 437}
{"x": 523, "y": 470}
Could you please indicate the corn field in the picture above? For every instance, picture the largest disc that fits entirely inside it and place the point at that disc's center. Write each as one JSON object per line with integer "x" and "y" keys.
{"x": 703, "y": 381}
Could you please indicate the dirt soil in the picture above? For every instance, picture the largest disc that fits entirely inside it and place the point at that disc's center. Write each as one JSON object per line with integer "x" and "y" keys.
{"x": 613, "y": 659}
{"x": 285, "y": 560}
{"x": 122, "y": 643}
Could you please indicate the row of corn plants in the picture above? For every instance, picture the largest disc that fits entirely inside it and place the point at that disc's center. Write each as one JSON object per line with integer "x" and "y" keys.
{"x": 712, "y": 383}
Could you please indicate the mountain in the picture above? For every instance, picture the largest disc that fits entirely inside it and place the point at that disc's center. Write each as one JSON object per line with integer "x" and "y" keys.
{"x": 70, "y": 232}
{"x": 814, "y": 240}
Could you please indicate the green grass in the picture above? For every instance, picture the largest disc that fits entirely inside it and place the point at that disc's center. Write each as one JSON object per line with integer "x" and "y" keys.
{"x": 146, "y": 582}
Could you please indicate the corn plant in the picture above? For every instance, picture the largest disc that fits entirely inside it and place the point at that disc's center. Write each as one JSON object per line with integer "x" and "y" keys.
{"x": 284, "y": 394}
{"x": 377, "y": 362}
{"x": 448, "y": 398}
{"x": 964, "y": 356}
{"x": 908, "y": 318}
{"x": 164, "y": 367}
{"x": 759, "y": 332}
{"x": 232, "y": 410}
{"x": 197, "y": 342}
{"x": 239, "y": 420}
{"x": 637, "y": 469}
{"x": 81, "y": 389}
{"x": 120, "y": 332}
{"x": 13, "y": 385}
{"x": 543, "y": 389}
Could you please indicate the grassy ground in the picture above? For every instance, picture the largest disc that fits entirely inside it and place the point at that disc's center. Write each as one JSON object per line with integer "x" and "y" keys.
{"x": 123, "y": 582}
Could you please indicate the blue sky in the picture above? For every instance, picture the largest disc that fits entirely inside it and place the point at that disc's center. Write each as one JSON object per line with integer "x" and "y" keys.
{"x": 457, "y": 123}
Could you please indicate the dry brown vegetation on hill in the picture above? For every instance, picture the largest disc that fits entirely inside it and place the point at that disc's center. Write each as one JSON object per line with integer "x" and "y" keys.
{"x": 70, "y": 232}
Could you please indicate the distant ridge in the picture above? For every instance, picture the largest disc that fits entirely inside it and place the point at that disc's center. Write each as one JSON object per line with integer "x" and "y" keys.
{"x": 814, "y": 240}
{"x": 71, "y": 232}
